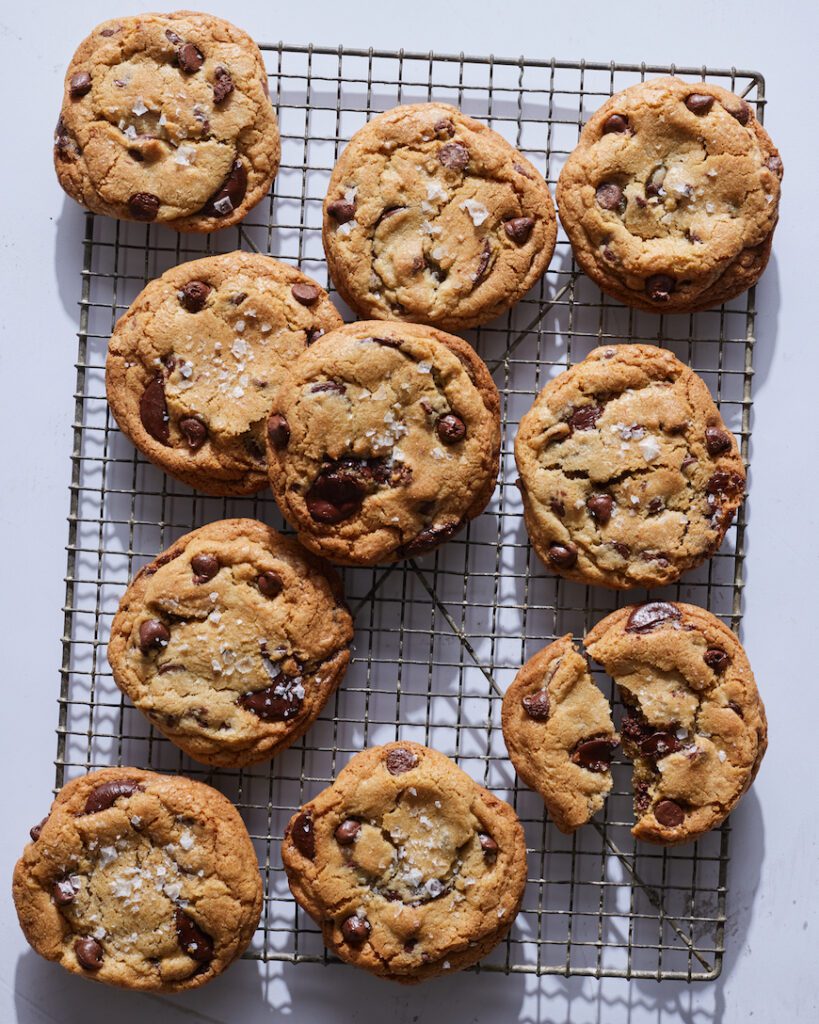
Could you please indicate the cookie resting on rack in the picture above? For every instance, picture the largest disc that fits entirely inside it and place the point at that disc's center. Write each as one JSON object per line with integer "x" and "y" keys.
{"x": 166, "y": 118}
{"x": 194, "y": 363}
{"x": 671, "y": 197}
{"x": 434, "y": 218}
{"x": 559, "y": 734}
{"x": 628, "y": 474}
{"x": 410, "y": 868}
{"x": 694, "y": 726}
{"x": 139, "y": 880}
{"x": 231, "y": 642}
{"x": 383, "y": 441}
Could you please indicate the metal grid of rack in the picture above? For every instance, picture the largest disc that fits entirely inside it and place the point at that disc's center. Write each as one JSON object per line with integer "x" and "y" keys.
{"x": 439, "y": 638}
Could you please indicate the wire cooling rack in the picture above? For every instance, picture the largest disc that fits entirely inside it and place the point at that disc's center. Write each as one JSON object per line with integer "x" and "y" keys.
{"x": 438, "y": 639}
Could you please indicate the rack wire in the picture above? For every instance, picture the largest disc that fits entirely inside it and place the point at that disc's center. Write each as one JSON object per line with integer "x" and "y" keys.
{"x": 439, "y": 638}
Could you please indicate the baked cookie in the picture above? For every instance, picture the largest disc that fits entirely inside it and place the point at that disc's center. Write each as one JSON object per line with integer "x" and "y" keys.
{"x": 231, "y": 642}
{"x": 559, "y": 734}
{"x": 409, "y": 867}
{"x": 384, "y": 441}
{"x": 695, "y": 726}
{"x": 671, "y": 197}
{"x": 166, "y": 118}
{"x": 194, "y": 363}
{"x": 140, "y": 880}
{"x": 432, "y": 217}
{"x": 628, "y": 474}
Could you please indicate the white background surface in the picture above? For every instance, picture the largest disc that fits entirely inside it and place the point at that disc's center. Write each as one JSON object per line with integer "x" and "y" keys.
{"x": 770, "y": 969}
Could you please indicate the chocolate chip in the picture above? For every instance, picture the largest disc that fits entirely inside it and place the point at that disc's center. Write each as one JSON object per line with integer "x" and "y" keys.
{"x": 537, "y": 705}
{"x": 222, "y": 85}
{"x": 204, "y": 567}
{"x": 488, "y": 845}
{"x": 194, "y": 431}
{"x": 732, "y": 704}
{"x": 88, "y": 953}
{"x": 305, "y": 293}
{"x": 585, "y": 417}
{"x": 699, "y": 103}
{"x": 557, "y": 506}
{"x": 355, "y": 929}
{"x": 79, "y": 85}
{"x": 341, "y": 211}
{"x": 269, "y": 583}
{"x": 347, "y": 832}
{"x": 646, "y": 617}
{"x": 144, "y": 206}
{"x": 634, "y": 726}
{"x": 105, "y": 795}
{"x": 594, "y": 755}
{"x": 610, "y": 196}
{"x": 238, "y": 299}
{"x": 278, "y": 431}
{"x": 659, "y": 745}
{"x": 600, "y": 506}
{"x": 445, "y": 127}
{"x": 654, "y": 182}
{"x": 483, "y": 262}
{"x": 742, "y": 113}
{"x": 334, "y": 496}
{"x": 231, "y": 193}
{"x": 451, "y": 429}
{"x": 659, "y": 287}
{"x": 192, "y": 940}
{"x": 454, "y": 155}
{"x": 313, "y": 334}
{"x": 430, "y": 538}
{"x": 63, "y": 892}
{"x": 716, "y": 659}
{"x": 518, "y": 229}
{"x": 153, "y": 633}
{"x": 275, "y": 703}
{"x": 153, "y": 410}
{"x": 615, "y": 123}
{"x": 400, "y": 760}
{"x": 193, "y": 295}
{"x": 108, "y": 32}
{"x": 302, "y": 835}
{"x": 172, "y": 37}
{"x": 716, "y": 441}
{"x": 562, "y": 556}
{"x": 669, "y": 813}
{"x": 655, "y": 506}
{"x": 622, "y": 549}
{"x": 774, "y": 164}
{"x": 725, "y": 484}
{"x": 35, "y": 830}
{"x": 189, "y": 58}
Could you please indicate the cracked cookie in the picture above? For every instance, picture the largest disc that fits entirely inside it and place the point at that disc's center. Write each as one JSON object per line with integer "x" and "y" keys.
{"x": 166, "y": 118}
{"x": 139, "y": 880}
{"x": 384, "y": 441}
{"x": 559, "y": 734}
{"x": 628, "y": 474}
{"x": 694, "y": 726}
{"x": 671, "y": 197}
{"x": 194, "y": 363}
{"x": 231, "y": 642}
{"x": 434, "y": 218}
{"x": 410, "y": 868}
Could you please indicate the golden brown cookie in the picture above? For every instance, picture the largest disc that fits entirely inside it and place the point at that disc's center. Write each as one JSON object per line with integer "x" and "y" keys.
{"x": 166, "y": 118}
{"x": 384, "y": 441}
{"x": 194, "y": 363}
{"x": 410, "y": 868}
{"x": 434, "y": 218}
{"x": 231, "y": 641}
{"x": 559, "y": 734}
{"x": 695, "y": 726}
{"x": 139, "y": 880}
{"x": 671, "y": 197}
{"x": 628, "y": 474}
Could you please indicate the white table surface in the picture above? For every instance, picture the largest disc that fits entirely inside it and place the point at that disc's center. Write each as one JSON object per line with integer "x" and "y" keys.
{"x": 770, "y": 968}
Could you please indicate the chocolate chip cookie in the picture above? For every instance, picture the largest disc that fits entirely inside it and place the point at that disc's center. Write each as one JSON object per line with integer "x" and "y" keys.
{"x": 434, "y": 218}
{"x": 231, "y": 642}
{"x": 194, "y": 363}
{"x": 383, "y": 442}
{"x": 695, "y": 726}
{"x": 139, "y": 880}
{"x": 671, "y": 197}
{"x": 410, "y": 868}
{"x": 166, "y": 118}
{"x": 628, "y": 474}
{"x": 558, "y": 730}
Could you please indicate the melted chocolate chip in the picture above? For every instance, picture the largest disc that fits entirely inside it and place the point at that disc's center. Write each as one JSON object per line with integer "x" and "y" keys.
{"x": 725, "y": 484}
{"x": 400, "y": 760}
{"x": 334, "y": 497}
{"x": 275, "y": 703}
{"x": 716, "y": 659}
{"x": 144, "y": 206}
{"x": 645, "y": 617}
{"x": 563, "y": 556}
{"x": 600, "y": 506}
{"x": 355, "y": 929}
{"x": 699, "y": 102}
{"x": 347, "y": 832}
{"x": 518, "y": 229}
{"x": 305, "y": 293}
{"x": 615, "y": 123}
{"x": 669, "y": 813}
{"x": 194, "y": 431}
{"x": 555, "y": 504}
{"x": 659, "y": 745}
{"x": 594, "y": 755}
{"x": 488, "y": 845}
{"x": 192, "y": 940}
{"x": 716, "y": 441}
{"x": 63, "y": 892}
{"x": 732, "y": 704}
{"x": 659, "y": 287}
{"x": 153, "y": 633}
{"x": 610, "y": 196}
{"x": 430, "y": 538}
{"x": 79, "y": 85}
{"x": 303, "y": 836}
{"x": 537, "y": 705}
{"x": 193, "y": 295}
{"x": 204, "y": 567}
{"x": 35, "y": 830}
{"x": 313, "y": 334}
{"x": 88, "y": 953}
{"x": 104, "y": 796}
{"x": 451, "y": 429}
{"x": 454, "y": 155}
{"x": 483, "y": 262}
{"x": 278, "y": 431}
{"x": 189, "y": 58}
{"x": 586, "y": 417}
{"x": 742, "y": 112}
{"x": 230, "y": 194}
{"x": 341, "y": 211}
{"x": 222, "y": 85}
{"x": 269, "y": 583}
